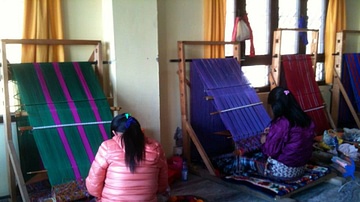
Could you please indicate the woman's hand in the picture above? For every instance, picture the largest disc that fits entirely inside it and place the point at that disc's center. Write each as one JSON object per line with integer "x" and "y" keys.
{"x": 263, "y": 138}
{"x": 238, "y": 152}
{"x": 263, "y": 135}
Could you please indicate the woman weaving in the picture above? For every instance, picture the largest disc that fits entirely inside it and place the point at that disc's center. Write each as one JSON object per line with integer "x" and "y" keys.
{"x": 128, "y": 167}
{"x": 286, "y": 145}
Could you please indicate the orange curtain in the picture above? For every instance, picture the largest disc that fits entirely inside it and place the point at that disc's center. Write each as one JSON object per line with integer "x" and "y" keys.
{"x": 214, "y": 27}
{"x": 335, "y": 22}
{"x": 42, "y": 20}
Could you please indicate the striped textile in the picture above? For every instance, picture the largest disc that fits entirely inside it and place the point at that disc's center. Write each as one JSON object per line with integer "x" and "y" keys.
{"x": 352, "y": 62}
{"x": 300, "y": 80}
{"x": 64, "y": 94}
{"x": 239, "y": 108}
{"x": 350, "y": 78}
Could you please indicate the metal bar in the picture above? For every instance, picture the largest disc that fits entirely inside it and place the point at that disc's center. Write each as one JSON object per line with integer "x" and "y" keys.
{"x": 62, "y": 125}
{"x": 299, "y": 30}
{"x": 190, "y": 60}
{"x": 235, "y": 108}
{"x": 315, "y": 108}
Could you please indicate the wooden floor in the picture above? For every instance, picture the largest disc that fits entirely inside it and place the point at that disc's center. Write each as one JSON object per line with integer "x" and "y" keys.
{"x": 336, "y": 189}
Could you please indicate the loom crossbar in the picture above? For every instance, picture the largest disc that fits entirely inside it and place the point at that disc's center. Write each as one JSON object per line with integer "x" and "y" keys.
{"x": 235, "y": 108}
{"x": 68, "y": 125}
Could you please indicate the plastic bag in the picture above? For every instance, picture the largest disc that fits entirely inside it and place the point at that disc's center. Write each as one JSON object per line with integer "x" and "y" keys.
{"x": 241, "y": 31}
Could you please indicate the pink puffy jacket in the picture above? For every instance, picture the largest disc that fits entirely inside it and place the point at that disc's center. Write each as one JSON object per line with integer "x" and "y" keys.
{"x": 110, "y": 180}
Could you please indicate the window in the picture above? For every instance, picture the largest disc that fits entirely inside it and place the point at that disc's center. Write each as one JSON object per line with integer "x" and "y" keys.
{"x": 265, "y": 16}
{"x": 229, "y": 25}
{"x": 11, "y": 9}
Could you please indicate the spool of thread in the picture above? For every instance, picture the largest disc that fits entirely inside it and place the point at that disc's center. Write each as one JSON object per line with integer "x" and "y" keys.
{"x": 184, "y": 171}
{"x": 339, "y": 161}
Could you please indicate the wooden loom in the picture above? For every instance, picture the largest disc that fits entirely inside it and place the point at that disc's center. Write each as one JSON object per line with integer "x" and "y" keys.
{"x": 13, "y": 162}
{"x": 275, "y": 73}
{"x": 276, "y": 59}
{"x": 187, "y": 130}
{"x": 338, "y": 88}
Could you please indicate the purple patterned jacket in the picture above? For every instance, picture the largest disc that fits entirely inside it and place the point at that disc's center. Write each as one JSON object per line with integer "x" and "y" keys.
{"x": 292, "y": 148}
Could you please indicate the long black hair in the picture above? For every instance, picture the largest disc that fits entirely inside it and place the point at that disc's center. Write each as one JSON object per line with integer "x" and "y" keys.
{"x": 283, "y": 103}
{"x": 132, "y": 138}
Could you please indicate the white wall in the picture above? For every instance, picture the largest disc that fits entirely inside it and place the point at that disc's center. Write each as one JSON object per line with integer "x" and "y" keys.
{"x": 179, "y": 20}
{"x": 353, "y": 23}
{"x": 137, "y": 69}
{"x": 352, "y": 15}
{"x": 82, "y": 22}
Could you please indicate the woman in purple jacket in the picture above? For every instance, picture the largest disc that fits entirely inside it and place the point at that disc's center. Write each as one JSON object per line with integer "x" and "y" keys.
{"x": 286, "y": 144}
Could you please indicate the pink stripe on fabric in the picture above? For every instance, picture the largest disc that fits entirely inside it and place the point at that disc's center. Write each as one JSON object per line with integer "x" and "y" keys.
{"x": 74, "y": 112}
{"x": 91, "y": 99}
{"x": 57, "y": 120}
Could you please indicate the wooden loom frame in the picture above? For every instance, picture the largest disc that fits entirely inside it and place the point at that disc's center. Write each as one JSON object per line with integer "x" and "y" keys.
{"x": 274, "y": 78}
{"x": 13, "y": 163}
{"x": 187, "y": 130}
{"x": 337, "y": 84}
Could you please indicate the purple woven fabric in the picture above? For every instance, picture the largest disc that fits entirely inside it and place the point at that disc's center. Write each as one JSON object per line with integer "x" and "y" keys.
{"x": 237, "y": 107}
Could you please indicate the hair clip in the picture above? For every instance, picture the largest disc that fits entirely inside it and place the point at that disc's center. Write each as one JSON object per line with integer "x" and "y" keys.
{"x": 286, "y": 92}
{"x": 129, "y": 122}
{"x": 127, "y": 115}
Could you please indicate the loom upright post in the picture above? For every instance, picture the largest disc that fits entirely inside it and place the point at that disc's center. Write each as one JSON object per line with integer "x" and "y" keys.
{"x": 337, "y": 72}
{"x": 274, "y": 76}
{"x": 13, "y": 165}
{"x": 187, "y": 130}
{"x": 314, "y": 47}
{"x": 338, "y": 88}
{"x": 183, "y": 99}
{"x": 6, "y": 117}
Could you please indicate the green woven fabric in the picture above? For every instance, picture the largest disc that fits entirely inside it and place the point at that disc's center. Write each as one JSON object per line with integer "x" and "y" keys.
{"x": 40, "y": 91}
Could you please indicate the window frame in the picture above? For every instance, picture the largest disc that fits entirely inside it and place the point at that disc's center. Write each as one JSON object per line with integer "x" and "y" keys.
{"x": 240, "y": 10}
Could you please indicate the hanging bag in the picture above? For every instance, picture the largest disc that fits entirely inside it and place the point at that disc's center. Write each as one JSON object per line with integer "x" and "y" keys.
{"x": 242, "y": 31}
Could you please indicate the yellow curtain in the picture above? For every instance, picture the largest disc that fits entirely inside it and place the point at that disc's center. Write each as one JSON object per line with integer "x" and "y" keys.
{"x": 335, "y": 21}
{"x": 214, "y": 27}
{"x": 42, "y": 20}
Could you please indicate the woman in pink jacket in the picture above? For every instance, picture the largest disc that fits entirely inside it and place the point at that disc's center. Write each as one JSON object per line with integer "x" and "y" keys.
{"x": 128, "y": 167}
